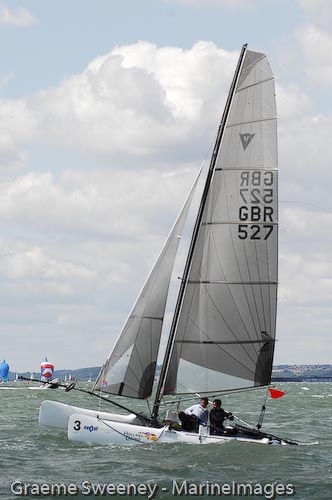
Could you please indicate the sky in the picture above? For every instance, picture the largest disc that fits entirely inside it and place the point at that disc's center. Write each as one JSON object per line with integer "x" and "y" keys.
{"x": 107, "y": 110}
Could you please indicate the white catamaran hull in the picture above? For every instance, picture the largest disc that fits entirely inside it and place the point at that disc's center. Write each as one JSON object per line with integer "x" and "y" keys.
{"x": 102, "y": 431}
{"x": 97, "y": 427}
{"x": 56, "y": 415}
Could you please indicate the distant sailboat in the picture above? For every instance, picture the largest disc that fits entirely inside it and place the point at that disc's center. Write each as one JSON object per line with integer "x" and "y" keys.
{"x": 222, "y": 335}
{"x": 4, "y": 371}
{"x": 46, "y": 372}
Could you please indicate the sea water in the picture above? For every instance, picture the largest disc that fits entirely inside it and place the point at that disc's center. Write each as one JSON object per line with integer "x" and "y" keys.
{"x": 57, "y": 468}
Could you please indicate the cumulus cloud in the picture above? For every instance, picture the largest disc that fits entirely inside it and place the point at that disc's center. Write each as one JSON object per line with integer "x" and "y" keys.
{"x": 305, "y": 284}
{"x": 20, "y": 18}
{"x": 5, "y": 79}
{"x": 136, "y": 100}
{"x": 306, "y": 154}
{"x": 12, "y": 158}
{"x": 91, "y": 203}
{"x": 318, "y": 13}
{"x": 17, "y": 126}
{"x": 306, "y": 52}
{"x": 292, "y": 102}
{"x": 35, "y": 263}
{"x": 316, "y": 45}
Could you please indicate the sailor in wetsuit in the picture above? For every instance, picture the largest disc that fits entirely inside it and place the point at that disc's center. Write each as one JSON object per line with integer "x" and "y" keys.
{"x": 217, "y": 417}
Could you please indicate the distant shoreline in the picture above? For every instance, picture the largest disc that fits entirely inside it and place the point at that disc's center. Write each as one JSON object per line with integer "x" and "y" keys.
{"x": 303, "y": 379}
{"x": 280, "y": 373}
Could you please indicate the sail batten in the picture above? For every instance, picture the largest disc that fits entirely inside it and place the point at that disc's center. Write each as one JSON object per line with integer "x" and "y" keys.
{"x": 220, "y": 342}
{"x": 148, "y": 317}
{"x": 248, "y": 122}
{"x": 242, "y": 89}
{"x": 192, "y": 282}
{"x": 238, "y": 221}
{"x": 257, "y": 167}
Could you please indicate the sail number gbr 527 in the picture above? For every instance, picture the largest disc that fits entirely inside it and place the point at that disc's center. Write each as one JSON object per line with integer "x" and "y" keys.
{"x": 256, "y": 195}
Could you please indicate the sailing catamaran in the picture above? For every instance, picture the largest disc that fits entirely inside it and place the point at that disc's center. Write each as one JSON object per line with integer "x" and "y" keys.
{"x": 222, "y": 335}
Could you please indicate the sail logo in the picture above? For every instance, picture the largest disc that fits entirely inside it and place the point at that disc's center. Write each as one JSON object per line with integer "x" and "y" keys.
{"x": 246, "y": 139}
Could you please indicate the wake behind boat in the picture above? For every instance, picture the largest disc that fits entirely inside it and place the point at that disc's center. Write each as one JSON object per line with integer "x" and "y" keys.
{"x": 222, "y": 335}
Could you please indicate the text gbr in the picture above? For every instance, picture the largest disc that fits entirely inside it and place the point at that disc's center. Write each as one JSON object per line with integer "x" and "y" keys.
{"x": 257, "y": 196}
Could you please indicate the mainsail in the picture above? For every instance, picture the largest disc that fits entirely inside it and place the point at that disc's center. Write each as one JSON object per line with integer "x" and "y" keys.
{"x": 130, "y": 368}
{"x": 224, "y": 334}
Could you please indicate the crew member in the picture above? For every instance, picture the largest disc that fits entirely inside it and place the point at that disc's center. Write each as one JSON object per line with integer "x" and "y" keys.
{"x": 217, "y": 418}
{"x": 195, "y": 415}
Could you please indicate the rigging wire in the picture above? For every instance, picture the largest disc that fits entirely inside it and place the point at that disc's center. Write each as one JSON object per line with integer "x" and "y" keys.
{"x": 308, "y": 204}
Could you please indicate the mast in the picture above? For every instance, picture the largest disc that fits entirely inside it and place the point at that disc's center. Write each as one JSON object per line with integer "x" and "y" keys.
{"x": 171, "y": 338}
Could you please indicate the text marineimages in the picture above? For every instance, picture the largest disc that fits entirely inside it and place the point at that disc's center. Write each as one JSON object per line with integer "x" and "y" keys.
{"x": 150, "y": 490}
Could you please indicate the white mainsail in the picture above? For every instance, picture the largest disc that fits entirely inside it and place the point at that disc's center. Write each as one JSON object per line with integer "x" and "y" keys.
{"x": 225, "y": 331}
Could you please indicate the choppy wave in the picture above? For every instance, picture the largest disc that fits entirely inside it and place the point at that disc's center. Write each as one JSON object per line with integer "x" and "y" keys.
{"x": 39, "y": 455}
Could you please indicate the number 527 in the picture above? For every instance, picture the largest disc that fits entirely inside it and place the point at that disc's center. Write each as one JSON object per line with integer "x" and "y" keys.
{"x": 254, "y": 231}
